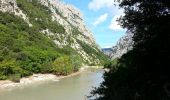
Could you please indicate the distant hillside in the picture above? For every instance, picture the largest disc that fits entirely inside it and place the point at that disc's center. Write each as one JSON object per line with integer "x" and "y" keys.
{"x": 107, "y": 51}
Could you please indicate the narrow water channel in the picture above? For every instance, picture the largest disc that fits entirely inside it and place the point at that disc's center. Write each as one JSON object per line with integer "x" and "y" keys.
{"x": 72, "y": 88}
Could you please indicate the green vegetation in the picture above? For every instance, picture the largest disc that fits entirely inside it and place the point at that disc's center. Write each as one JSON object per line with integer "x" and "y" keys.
{"x": 142, "y": 73}
{"x": 75, "y": 31}
{"x": 95, "y": 53}
{"x": 40, "y": 16}
{"x": 111, "y": 64}
{"x": 24, "y": 50}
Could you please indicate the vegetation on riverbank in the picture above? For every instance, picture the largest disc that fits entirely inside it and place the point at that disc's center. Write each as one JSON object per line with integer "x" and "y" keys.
{"x": 142, "y": 73}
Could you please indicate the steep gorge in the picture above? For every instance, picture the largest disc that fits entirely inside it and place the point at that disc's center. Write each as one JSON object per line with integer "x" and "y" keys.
{"x": 36, "y": 34}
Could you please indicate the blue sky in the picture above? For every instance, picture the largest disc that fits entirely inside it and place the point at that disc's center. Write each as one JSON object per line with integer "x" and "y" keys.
{"x": 100, "y": 17}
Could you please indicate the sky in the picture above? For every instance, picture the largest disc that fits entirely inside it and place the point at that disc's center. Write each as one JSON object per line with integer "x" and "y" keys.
{"x": 100, "y": 17}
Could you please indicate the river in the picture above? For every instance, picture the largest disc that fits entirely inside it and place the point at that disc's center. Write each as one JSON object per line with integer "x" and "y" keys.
{"x": 71, "y": 88}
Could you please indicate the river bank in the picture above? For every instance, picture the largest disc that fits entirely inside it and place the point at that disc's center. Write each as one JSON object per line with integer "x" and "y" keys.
{"x": 39, "y": 78}
{"x": 35, "y": 78}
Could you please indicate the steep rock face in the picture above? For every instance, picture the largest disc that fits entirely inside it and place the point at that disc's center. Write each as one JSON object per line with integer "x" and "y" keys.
{"x": 123, "y": 45}
{"x": 11, "y": 7}
{"x": 74, "y": 34}
{"x": 68, "y": 16}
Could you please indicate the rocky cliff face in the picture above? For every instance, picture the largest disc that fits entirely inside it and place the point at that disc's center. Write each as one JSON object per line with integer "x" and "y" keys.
{"x": 75, "y": 34}
{"x": 123, "y": 45}
{"x": 68, "y": 16}
{"x": 11, "y": 7}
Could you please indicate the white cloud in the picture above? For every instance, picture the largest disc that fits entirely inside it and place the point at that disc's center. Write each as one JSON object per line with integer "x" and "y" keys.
{"x": 100, "y": 19}
{"x": 98, "y": 4}
{"x": 114, "y": 24}
{"x": 107, "y": 46}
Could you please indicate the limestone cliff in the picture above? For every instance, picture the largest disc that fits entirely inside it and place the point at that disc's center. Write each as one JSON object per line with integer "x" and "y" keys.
{"x": 11, "y": 7}
{"x": 124, "y": 44}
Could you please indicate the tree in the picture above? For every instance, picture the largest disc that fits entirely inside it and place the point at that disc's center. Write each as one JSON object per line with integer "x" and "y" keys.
{"x": 62, "y": 66}
{"x": 143, "y": 73}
